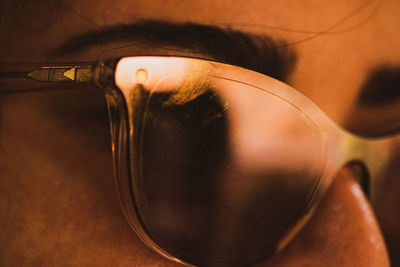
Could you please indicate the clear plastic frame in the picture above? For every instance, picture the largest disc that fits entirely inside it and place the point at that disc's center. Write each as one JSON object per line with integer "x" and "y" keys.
{"x": 214, "y": 164}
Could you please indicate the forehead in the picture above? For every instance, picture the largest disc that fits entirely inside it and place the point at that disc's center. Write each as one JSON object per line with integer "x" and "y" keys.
{"x": 251, "y": 15}
{"x": 51, "y": 21}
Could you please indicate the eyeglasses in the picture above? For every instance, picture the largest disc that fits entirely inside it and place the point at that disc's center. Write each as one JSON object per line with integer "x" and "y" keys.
{"x": 214, "y": 164}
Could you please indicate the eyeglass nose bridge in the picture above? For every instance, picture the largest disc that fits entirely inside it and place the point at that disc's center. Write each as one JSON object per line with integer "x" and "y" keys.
{"x": 371, "y": 154}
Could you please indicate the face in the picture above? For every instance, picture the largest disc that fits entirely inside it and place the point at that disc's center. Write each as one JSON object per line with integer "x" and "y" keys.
{"x": 58, "y": 202}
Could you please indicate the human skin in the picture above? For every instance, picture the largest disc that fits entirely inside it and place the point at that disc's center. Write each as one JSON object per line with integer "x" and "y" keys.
{"x": 58, "y": 207}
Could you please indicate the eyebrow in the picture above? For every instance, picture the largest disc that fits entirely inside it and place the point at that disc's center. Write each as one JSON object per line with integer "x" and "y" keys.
{"x": 381, "y": 88}
{"x": 256, "y": 52}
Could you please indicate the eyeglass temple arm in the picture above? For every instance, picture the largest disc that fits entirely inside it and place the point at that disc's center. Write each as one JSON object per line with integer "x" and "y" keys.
{"x": 43, "y": 77}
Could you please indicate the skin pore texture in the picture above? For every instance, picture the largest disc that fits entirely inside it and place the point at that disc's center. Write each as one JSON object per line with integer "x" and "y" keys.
{"x": 57, "y": 199}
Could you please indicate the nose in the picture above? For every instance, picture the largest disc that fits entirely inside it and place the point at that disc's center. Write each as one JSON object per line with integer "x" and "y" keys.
{"x": 343, "y": 231}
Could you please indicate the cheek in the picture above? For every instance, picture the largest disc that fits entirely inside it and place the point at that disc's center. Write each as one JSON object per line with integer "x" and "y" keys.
{"x": 57, "y": 197}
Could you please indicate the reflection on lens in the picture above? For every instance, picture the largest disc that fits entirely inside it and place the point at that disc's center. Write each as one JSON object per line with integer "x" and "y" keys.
{"x": 221, "y": 170}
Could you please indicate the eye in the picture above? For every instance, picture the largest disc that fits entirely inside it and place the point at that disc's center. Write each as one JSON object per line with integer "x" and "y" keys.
{"x": 220, "y": 168}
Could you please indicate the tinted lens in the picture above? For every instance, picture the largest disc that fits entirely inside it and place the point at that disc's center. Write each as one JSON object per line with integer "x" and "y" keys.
{"x": 220, "y": 170}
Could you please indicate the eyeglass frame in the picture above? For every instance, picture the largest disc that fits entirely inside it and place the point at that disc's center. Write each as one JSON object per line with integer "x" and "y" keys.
{"x": 115, "y": 78}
